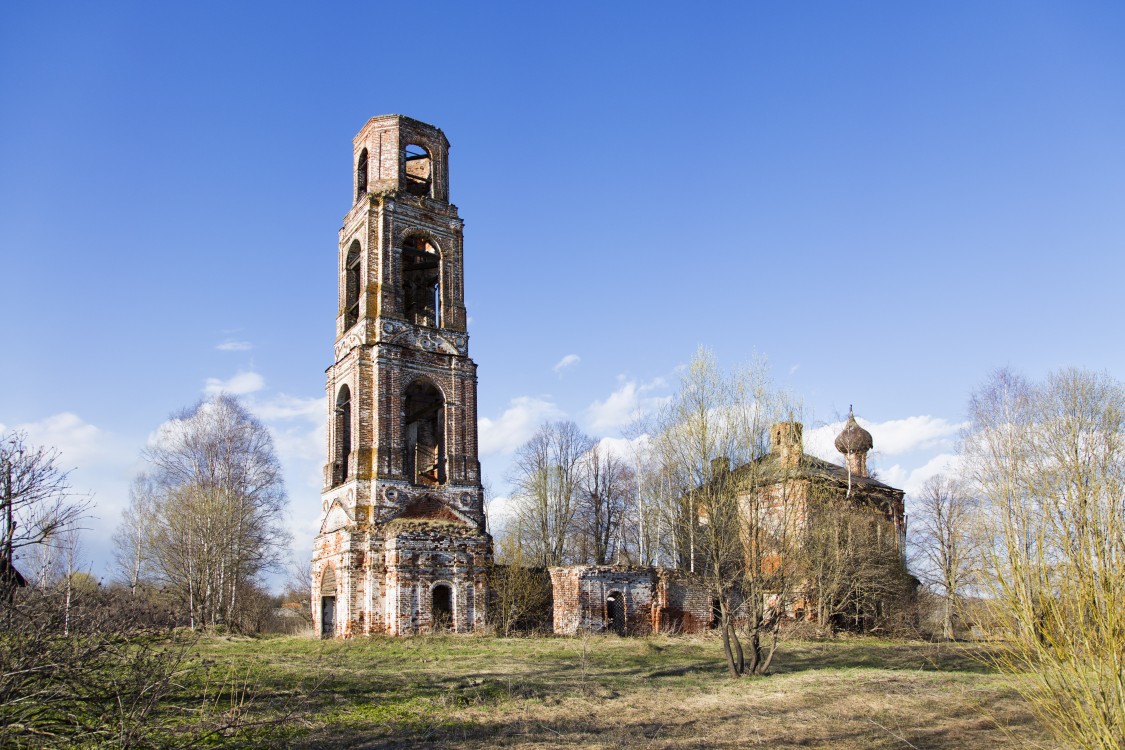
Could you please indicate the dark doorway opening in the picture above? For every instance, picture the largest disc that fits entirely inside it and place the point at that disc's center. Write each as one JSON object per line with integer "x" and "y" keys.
{"x": 327, "y": 616}
{"x": 443, "y": 607}
{"x": 615, "y": 612}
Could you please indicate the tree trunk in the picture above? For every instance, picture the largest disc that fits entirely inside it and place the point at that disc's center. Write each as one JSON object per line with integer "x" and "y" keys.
{"x": 732, "y": 664}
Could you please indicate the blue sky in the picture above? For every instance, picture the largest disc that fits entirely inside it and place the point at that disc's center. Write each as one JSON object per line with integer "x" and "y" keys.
{"x": 889, "y": 200}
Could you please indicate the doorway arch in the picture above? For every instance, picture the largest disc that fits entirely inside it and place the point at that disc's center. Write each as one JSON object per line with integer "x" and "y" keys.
{"x": 441, "y": 607}
{"x": 615, "y": 612}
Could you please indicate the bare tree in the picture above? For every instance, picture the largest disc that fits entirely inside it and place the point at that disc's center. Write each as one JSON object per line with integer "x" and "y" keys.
{"x": 852, "y": 571}
{"x": 548, "y": 474}
{"x": 519, "y": 595}
{"x": 607, "y": 500}
{"x": 220, "y": 505}
{"x": 36, "y": 505}
{"x": 723, "y": 528}
{"x": 946, "y": 542}
{"x": 1049, "y": 460}
{"x": 133, "y": 534}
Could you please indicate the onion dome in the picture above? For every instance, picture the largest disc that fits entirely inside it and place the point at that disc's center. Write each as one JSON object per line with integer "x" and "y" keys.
{"x": 853, "y": 438}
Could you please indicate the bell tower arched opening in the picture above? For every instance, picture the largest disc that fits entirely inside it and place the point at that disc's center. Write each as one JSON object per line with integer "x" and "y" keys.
{"x": 353, "y": 281}
{"x": 421, "y": 282}
{"x": 361, "y": 175}
{"x": 419, "y": 170}
{"x": 343, "y": 414}
{"x": 424, "y": 438}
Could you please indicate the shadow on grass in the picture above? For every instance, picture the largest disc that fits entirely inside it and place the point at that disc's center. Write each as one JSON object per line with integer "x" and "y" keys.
{"x": 790, "y": 723}
{"x": 800, "y": 656}
{"x": 424, "y": 692}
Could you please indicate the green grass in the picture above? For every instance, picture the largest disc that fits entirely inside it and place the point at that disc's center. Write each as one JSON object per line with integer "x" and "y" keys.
{"x": 610, "y": 692}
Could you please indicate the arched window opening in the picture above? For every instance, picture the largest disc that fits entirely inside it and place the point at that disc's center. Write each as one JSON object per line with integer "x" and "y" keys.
{"x": 328, "y": 603}
{"x": 343, "y": 413}
{"x": 419, "y": 172}
{"x": 424, "y": 420}
{"x": 442, "y": 607}
{"x": 361, "y": 175}
{"x": 615, "y": 612}
{"x": 421, "y": 282}
{"x": 353, "y": 281}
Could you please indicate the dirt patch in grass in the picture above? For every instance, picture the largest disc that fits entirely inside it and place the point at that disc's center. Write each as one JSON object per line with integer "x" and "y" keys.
{"x": 610, "y": 692}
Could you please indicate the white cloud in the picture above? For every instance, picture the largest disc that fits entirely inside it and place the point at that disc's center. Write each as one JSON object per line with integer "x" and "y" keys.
{"x": 624, "y": 448}
{"x": 912, "y": 480}
{"x": 77, "y": 441}
{"x": 518, "y": 422}
{"x": 628, "y": 402}
{"x": 568, "y": 361}
{"x": 894, "y": 437}
{"x": 240, "y": 384}
{"x": 499, "y": 511}
{"x": 231, "y": 345}
{"x": 283, "y": 406}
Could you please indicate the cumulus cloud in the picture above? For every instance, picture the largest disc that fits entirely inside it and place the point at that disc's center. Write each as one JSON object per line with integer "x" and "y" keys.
{"x": 912, "y": 479}
{"x": 568, "y": 361}
{"x": 77, "y": 441}
{"x": 624, "y": 448}
{"x": 240, "y": 384}
{"x": 893, "y": 437}
{"x": 518, "y": 422}
{"x": 499, "y": 510}
{"x": 230, "y": 345}
{"x": 629, "y": 401}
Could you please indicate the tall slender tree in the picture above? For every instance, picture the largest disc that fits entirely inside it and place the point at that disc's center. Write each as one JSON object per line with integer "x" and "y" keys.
{"x": 548, "y": 474}
{"x": 946, "y": 542}
{"x": 607, "y": 500}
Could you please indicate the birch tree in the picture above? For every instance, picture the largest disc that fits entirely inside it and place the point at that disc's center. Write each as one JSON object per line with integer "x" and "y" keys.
{"x": 606, "y": 504}
{"x": 1049, "y": 460}
{"x": 217, "y": 515}
{"x": 131, "y": 540}
{"x": 547, "y": 475}
{"x": 723, "y": 529}
{"x": 946, "y": 542}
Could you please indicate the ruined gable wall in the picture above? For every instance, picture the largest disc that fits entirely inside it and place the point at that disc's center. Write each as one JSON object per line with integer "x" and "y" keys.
{"x": 580, "y": 596}
{"x": 418, "y": 560}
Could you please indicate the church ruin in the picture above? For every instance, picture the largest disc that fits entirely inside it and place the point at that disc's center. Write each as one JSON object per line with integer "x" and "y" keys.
{"x": 402, "y": 546}
{"x": 634, "y": 600}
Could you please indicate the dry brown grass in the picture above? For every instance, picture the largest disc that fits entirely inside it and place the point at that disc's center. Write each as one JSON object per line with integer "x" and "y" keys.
{"x": 609, "y": 692}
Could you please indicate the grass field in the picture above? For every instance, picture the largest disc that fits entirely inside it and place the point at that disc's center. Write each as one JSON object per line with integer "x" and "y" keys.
{"x": 610, "y": 692}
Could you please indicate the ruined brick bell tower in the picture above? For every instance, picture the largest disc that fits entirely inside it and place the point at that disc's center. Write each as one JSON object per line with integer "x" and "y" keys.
{"x": 402, "y": 547}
